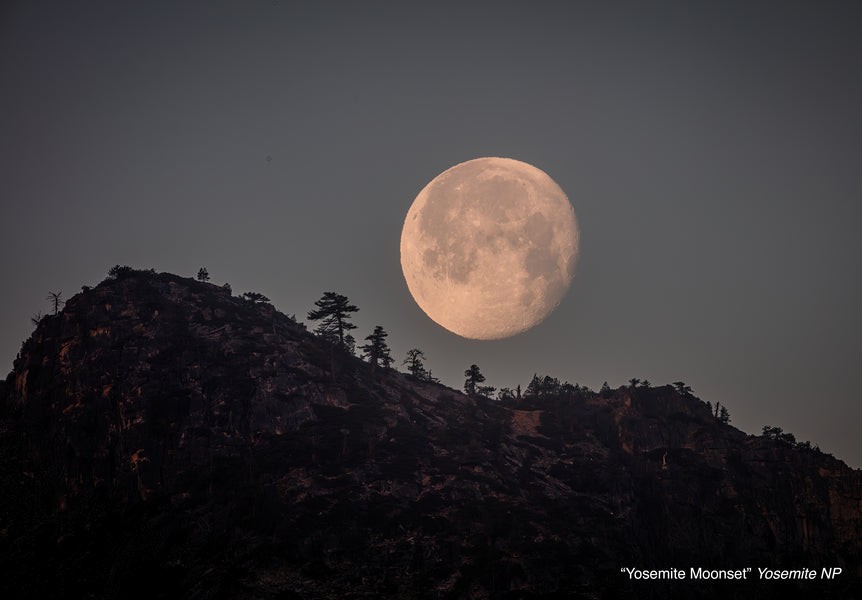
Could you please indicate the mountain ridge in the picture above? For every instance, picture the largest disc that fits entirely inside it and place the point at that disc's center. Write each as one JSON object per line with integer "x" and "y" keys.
{"x": 163, "y": 438}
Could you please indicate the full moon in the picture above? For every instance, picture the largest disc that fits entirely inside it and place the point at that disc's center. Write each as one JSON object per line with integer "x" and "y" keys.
{"x": 489, "y": 248}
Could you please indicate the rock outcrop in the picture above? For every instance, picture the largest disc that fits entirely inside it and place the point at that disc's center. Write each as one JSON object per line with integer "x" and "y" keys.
{"x": 161, "y": 438}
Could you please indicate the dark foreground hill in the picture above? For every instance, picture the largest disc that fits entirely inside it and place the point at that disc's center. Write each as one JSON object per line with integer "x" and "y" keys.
{"x": 163, "y": 439}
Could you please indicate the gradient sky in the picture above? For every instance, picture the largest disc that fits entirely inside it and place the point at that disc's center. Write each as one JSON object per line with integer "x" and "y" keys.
{"x": 712, "y": 153}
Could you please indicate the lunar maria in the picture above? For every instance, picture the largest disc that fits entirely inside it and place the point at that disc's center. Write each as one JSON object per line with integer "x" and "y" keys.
{"x": 489, "y": 247}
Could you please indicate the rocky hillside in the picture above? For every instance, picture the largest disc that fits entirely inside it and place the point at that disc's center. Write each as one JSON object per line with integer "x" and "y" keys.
{"x": 161, "y": 438}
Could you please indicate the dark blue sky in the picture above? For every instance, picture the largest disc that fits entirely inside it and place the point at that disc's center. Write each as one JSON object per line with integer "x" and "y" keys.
{"x": 712, "y": 153}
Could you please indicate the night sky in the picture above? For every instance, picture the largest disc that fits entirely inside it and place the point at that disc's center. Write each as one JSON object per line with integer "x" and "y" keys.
{"x": 712, "y": 153}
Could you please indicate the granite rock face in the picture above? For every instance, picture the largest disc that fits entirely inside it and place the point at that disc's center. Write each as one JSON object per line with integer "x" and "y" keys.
{"x": 161, "y": 438}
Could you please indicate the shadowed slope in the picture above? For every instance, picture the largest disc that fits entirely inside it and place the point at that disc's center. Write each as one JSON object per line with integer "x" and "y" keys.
{"x": 161, "y": 438}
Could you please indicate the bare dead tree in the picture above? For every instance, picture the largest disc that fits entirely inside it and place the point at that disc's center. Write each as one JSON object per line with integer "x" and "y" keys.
{"x": 55, "y": 298}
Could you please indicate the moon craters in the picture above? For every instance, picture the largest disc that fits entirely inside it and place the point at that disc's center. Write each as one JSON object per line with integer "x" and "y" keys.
{"x": 489, "y": 247}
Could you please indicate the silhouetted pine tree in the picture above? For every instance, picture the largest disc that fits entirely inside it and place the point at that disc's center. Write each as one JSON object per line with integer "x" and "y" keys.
{"x": 333, "y": 311}
{"x": 543, "y": 387}
{"x": 474, "y": 377}
{"x": 414, "y": 363}
{"x": 377, "y": 351}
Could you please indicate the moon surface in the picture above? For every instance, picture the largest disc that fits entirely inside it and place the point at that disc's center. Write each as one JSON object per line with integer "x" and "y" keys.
{"x": 489, "y": 247}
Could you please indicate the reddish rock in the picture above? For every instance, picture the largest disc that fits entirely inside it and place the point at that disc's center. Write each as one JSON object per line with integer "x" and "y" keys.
{"x": 161, "y": 438}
